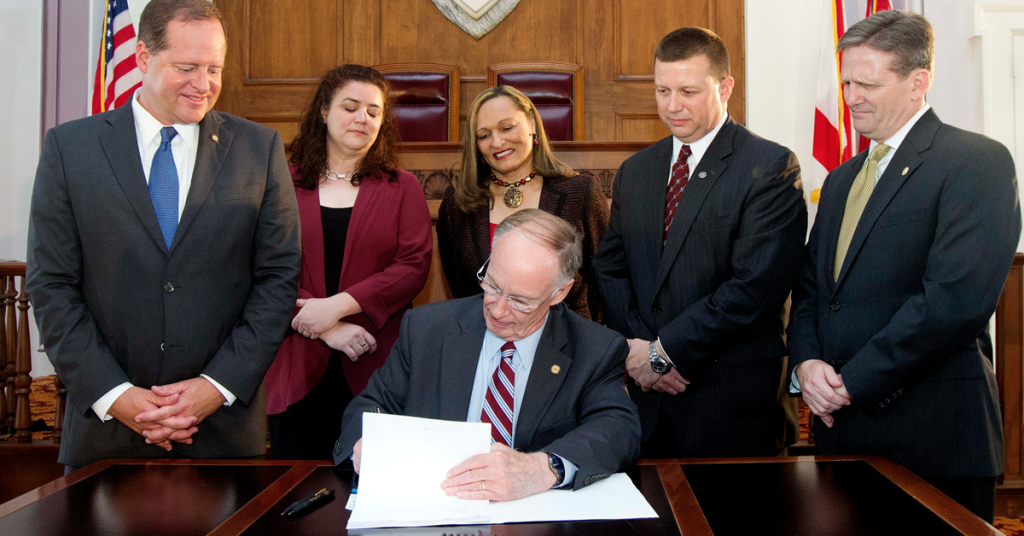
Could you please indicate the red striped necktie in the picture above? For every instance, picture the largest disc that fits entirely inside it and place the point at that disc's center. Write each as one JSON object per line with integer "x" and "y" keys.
{"x": 499, "y": 404}
{"x": 680, "y": 176}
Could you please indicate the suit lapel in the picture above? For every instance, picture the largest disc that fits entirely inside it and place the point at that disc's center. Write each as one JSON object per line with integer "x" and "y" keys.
{"x": 543, "y": 384}
{"x": 649, "y": 221}
{"x": 209, "y": 157}
{"x": 908, "y": 158}
{"x": 712, "y": 165}
{"x": 832, "y": 221}
{"x": 121, "y": 147}
{"x": 312, "y": 238}
{"x": 460, "y": 352}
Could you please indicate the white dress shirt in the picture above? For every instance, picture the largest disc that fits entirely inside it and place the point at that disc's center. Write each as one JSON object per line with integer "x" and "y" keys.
{"x": 893, "y": 142}
{"x": 522, "y": 363}
{"x": 184, "y": 147}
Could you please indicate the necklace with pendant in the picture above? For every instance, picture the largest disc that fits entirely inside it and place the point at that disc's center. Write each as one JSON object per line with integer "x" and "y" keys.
{"x": 513, "y": 196}
{"x": 334, "y": 175}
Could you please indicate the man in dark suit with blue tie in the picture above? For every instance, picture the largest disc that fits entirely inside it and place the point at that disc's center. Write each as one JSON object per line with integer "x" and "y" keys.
{"x": 163, "y": 257}
{"x": 904, "y": 267}
{"x": 701, "y": 252}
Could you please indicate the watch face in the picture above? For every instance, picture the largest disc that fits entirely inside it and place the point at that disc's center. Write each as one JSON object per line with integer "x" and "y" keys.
{"x": 659, "y": 365}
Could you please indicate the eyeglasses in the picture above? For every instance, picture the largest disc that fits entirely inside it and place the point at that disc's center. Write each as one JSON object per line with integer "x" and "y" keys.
{"x": 515, "y": 302}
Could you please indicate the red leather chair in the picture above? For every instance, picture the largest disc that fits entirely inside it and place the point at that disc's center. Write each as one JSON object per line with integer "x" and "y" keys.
{"x": 427, "y": 100}
{"x": 556, "y": 89}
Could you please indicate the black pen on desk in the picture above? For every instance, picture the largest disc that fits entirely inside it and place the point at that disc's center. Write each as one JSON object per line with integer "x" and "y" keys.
{"x": 310, "y": 501}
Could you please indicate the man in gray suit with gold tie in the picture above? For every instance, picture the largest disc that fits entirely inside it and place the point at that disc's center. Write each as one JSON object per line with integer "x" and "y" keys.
{"x": 908, "y": 255}
{"x": 163, "y": 257}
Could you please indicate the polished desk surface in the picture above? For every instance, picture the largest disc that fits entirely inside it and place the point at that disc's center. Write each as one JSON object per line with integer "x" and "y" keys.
{"x": 720, "y": 497}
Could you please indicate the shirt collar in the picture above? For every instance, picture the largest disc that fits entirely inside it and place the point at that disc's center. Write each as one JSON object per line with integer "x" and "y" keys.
{"x": 896, "y": 139}
{"x": 147, "y": 127}
{"x": 526, "y": 349}
{"x": 699, "y": 147}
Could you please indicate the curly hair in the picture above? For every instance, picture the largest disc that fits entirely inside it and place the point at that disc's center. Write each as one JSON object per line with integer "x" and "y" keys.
{"x": 309, "y": 149}
{"x": 472, "y": 194}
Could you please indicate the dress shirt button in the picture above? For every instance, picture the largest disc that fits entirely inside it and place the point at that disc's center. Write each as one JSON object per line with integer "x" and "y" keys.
{"x": 168, "y": 288}
{"x": 836, "y": 306}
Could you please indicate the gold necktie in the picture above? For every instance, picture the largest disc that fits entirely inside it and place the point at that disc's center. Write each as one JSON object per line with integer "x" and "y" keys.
{"x": 860, "y": 192}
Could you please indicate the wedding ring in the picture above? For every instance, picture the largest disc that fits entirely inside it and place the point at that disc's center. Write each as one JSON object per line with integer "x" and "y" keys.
{"x": 483, "y": 486}
{"x": 362, "y": 343}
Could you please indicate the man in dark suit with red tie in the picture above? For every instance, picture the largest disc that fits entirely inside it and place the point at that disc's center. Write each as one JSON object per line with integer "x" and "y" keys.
{"x": 547, "y": 380}
{"x": 701, "y": 252}
{"x": 908, "y": 255}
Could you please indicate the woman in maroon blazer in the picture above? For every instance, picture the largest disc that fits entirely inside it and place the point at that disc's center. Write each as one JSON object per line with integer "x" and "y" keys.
{"x": 366, "y": 245}
{"x": 507, "y": 166}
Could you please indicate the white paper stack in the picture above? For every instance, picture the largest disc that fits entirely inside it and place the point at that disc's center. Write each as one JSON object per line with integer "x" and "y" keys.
{"x": 405, "y": 459}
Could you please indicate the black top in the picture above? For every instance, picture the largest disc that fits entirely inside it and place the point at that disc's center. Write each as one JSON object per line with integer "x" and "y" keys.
{"x": 335, "y": 224}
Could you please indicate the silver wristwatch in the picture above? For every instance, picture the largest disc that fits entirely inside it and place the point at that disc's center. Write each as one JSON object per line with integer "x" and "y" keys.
{"x": 658, "y": 364}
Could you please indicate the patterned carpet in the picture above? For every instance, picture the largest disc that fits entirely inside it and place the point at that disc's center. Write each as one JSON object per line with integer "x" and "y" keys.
{"x": 43, "y": 401}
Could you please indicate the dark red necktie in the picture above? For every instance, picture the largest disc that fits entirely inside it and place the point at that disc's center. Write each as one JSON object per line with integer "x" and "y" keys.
{"x": 680, "y": 176}
{"x": 500, "y": 403}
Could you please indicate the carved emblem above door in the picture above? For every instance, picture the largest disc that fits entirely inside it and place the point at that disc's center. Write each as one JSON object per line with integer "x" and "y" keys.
{"x": 476, "y": 17}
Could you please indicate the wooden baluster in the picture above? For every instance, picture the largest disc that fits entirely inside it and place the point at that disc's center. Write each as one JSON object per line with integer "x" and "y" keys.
{"x": 58, "y": 421}
{"x": 23, "y": 366}
{"x": 11, "y": 346}
{"x": 4, "y": 412}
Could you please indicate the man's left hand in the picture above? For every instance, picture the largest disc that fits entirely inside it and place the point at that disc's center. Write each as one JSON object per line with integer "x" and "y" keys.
{"x": 197, "y": 399}
{"x": 672, "y": 382}
{"x": 501, "y": 475}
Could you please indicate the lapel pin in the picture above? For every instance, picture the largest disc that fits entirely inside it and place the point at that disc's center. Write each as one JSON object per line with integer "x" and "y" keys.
{"x": 214, "y": 138}
{"x": 555, "y": 369}
{"x": 702, "y": 174}
{"x": 905, "y": 171}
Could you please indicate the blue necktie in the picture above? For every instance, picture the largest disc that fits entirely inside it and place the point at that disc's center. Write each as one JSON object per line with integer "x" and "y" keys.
{"x": 163, "y": 186}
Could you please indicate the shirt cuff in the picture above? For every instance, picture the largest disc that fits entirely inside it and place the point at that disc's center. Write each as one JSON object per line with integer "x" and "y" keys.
{"x": 228, "y": 397}
{"x": 662, "y": 348}
{"x": 570, "y": 473}
{"x": 102, "y": 406}
{"x": 794, "y": 383}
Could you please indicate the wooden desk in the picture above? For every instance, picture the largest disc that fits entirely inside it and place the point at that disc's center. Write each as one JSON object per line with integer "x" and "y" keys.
{"x": 765, "y": 496}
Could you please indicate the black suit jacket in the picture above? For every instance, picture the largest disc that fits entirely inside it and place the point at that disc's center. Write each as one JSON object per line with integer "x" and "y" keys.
{"x": 918, "y": 286}
{"x": 715, "y": 290}
{"x": 580, "y": 413}
{"x": 114, "y": 305}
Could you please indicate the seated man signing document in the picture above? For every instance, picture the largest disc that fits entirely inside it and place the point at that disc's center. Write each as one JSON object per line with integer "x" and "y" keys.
{"x": 548, "y": 381}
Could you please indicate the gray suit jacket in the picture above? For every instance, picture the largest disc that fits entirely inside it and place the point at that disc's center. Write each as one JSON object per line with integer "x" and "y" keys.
{"x": 114, "y": 305}
{"x": 919, "y": 284}
{"x": 714, "y": 292}
{"x": 581, "y": 413}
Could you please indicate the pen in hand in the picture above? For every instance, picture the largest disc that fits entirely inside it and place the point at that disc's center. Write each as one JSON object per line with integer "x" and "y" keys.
{"x": 310, "y": 501}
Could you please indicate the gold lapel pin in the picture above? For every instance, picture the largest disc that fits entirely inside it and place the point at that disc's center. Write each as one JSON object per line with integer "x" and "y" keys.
{"x": 905, "y": 171}
{"x": 214, "y": 138}
{"x": 555, "y": 369}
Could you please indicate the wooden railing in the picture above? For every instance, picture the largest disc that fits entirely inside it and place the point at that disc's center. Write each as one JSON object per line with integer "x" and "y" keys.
{"x": 16, "y": 359}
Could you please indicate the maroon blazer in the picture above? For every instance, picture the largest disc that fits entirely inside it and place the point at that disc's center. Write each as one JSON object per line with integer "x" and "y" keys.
{"x": 387, "y": 258}
{"x": 464, "y": 240}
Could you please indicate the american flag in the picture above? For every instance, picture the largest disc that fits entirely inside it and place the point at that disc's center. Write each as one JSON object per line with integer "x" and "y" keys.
{"x": 117, "y": 76}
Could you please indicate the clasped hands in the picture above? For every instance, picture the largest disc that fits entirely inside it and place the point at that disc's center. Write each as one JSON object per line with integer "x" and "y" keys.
{"x": 318, "y": 318}
{"x": 823, "y": 389}
{"x": 638, "y": 365}
{"x": 167, "y": 413}
{"x": 502, "y": 474}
